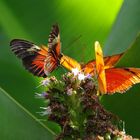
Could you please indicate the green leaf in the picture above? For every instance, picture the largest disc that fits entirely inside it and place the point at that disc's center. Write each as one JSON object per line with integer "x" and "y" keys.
{"x": 125, "y": 28}
{"x": 131, "y": 55}
{"x": 18, "y": 123}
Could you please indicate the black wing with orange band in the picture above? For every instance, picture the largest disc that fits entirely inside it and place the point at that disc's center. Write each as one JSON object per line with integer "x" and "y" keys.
{"x": 32, "y": 56}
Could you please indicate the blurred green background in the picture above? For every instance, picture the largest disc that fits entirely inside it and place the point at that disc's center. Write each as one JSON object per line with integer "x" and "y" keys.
{"x": 114, "y": 23}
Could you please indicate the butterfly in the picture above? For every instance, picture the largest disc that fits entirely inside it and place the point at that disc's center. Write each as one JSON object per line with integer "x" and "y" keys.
{"x": 39, "y": 60}
{"x": 110, "y": 78}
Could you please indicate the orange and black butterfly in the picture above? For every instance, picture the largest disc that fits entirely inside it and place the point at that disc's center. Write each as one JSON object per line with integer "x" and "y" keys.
{"x": 39, "y": 60}
{"x": 110, "y": 78}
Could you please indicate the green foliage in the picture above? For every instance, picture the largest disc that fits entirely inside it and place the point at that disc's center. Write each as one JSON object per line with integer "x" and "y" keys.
{"x": 17, "y": 122}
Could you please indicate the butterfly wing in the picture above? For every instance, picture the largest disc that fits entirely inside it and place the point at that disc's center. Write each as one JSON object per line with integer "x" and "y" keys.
{"x": 100, "y": 68}
{"x": 54, "y": 50}
{"x": 54, "y": 43}
{"x": 89, "y": 68}
{"x": 69, "y": 63}
{"x": 32, "y": 56}
{"x": 109, "y": 62}
{"x": 121, "y": 79}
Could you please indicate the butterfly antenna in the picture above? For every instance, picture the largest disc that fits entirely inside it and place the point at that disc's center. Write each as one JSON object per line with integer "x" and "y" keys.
{"x": 73, "y": 41}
